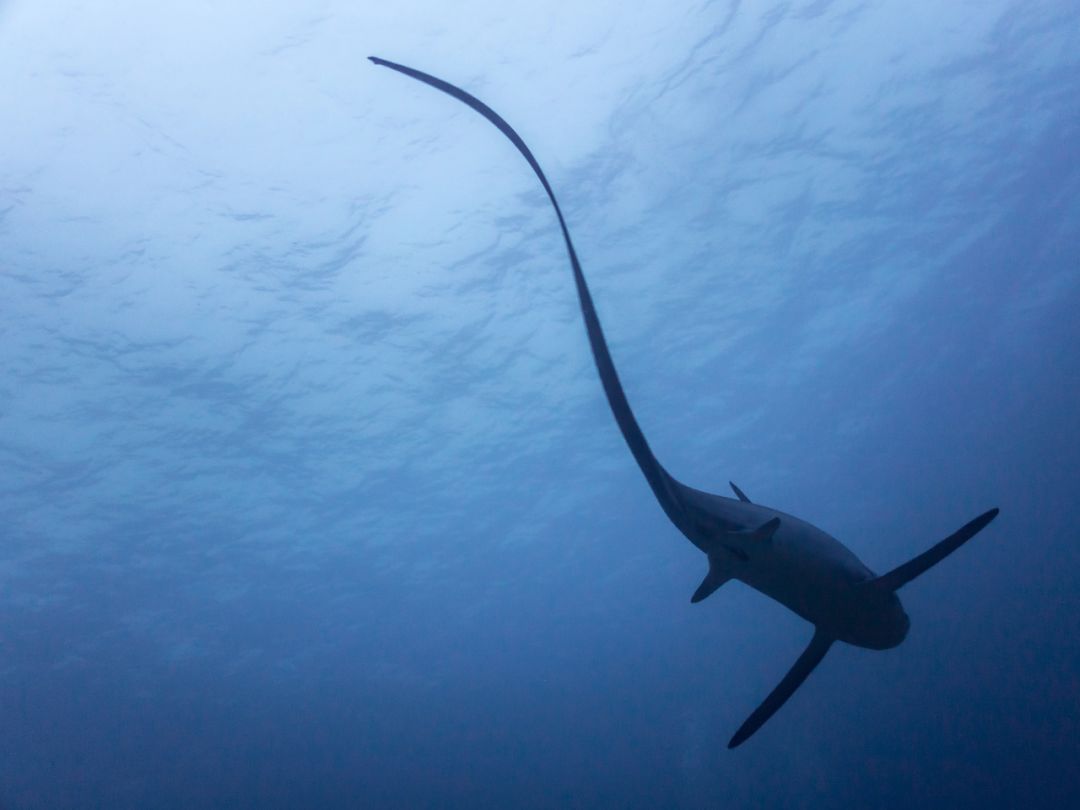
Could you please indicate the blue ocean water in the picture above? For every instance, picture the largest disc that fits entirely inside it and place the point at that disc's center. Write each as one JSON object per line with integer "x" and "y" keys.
{"x": 309, "y": 493}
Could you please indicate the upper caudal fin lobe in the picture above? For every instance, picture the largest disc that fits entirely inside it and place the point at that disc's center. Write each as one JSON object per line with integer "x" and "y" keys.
{"x": 903, "y": 574}
{"x": 661, "y": 483}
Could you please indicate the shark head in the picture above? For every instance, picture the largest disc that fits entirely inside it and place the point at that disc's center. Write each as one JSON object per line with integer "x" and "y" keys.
{"x": 881, "y": 622}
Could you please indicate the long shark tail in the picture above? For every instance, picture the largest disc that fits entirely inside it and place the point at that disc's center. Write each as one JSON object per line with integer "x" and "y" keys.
{"x": 662, "y": 484}
{"x": 903, "y": 574}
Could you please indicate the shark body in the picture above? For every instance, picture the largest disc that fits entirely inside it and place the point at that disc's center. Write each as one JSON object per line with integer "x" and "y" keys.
{"x": 782, "y": 556}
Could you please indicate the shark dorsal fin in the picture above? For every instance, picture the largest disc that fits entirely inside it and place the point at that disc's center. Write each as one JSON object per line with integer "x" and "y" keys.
{"x": 739, "y": 493}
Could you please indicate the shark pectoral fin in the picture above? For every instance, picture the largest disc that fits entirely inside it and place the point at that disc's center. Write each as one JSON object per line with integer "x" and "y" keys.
{"x": 903, "y": 574}
{"x": 739, "y": 493}
{"x": 811, "y": 657}
{"x": 716, "y": 577}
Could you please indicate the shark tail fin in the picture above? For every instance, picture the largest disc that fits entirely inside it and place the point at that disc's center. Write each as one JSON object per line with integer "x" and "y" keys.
{"x": 903, "y": 574}
{"x": 661, "y": 483}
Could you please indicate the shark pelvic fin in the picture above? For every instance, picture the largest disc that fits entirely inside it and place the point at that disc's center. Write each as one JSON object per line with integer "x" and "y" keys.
{"x": 739, "y": 493}
{"x": 716, "y": 577}
{"x": 903, "y": 574}
{"x": 761, "y": 534}
{"x": 811, "y": 657}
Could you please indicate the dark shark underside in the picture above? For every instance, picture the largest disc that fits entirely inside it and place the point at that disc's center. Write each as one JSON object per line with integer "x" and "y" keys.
{"x": 818, "y": 578}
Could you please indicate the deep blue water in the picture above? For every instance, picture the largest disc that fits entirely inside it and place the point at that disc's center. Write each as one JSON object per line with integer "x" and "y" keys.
{"x": 309, "y": 495}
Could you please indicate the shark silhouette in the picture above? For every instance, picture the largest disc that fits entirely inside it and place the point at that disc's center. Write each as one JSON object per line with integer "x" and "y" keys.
{"x": 783, "y": 557}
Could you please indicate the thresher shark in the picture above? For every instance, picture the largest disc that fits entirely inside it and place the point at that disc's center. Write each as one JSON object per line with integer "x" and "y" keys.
{"x": 783, "y": 557}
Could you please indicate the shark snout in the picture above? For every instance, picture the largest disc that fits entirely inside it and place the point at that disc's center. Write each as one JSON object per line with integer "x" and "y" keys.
{"x": 904, "y": 625}
{"x": 881, "y": 623}
{"x": 894, "y": 627}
